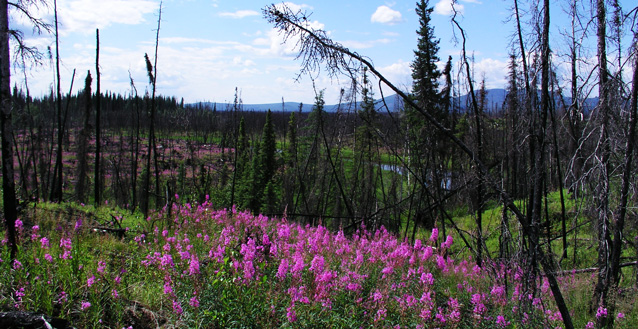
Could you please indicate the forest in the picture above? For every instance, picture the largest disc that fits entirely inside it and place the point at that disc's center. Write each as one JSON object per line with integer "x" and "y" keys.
{"x": 434, "y": 210}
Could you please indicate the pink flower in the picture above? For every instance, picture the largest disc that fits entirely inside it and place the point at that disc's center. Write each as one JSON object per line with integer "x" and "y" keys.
{"x": 435, "y": 234}
{"x": 193, "y": 266}
{"x": 283, "y": 269}
{"x": 620, "y": 316}
{"x": 78, "y": 224}
{"x": 417, "y": 244}
{"x": 65, "y": 243}
{"x": 167, "y": 261}
{"x": 590, "y": 325}
{"x": 427, "y": 278}
{"x": 85, "y": 305}
{"x": 440, "y": 263}
{"x": 44, "y": 242}
{"x": 377, "y": 296}
{"x": 114, "y": 294}
{"x": 291, "y": 314}
{"x": 101, "y": 266}
{"x": 194, "y": 302}
{"x": 448, "y": 242}
{"x": 427, "y": 253}
{"x": 501, "y": 322}
{"x": 168, "y": 289}
{"x": 601, "y": 312}
{"x": 387, "y": 270}
{"x": 19, "y": 225}
{"x": 317, "y": 264}
{"x": 249, "y": 270}
{"x": 177, "y": 308}
{"x": 90, "y": 281}
{"x": 17, "y": 265}
{"x": 48, "y": 257}
{"x": 298, "y": 266}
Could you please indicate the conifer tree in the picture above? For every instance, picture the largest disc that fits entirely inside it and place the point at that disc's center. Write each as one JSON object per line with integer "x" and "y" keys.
{"x": 425, "y": 73}
{"x": 290, "y": 166}
{"x": 241, "y": 159}
{"x": 269, "y": 150}
{"x": 365, "y": 154}
{"x": 427, "y": 149}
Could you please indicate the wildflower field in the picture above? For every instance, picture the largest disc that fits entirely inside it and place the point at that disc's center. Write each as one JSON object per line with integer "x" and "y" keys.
{"x": 196, "y": 266}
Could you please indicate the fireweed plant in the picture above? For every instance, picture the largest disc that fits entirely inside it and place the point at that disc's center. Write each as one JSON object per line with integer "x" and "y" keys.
{"x": 224, "y": 268}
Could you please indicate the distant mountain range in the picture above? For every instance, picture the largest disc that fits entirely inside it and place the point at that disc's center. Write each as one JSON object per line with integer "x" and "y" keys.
{"x": 494, "y": 101}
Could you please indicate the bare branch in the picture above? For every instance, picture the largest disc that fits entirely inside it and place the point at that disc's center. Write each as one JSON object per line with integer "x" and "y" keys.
{"x": 39, "y": 25}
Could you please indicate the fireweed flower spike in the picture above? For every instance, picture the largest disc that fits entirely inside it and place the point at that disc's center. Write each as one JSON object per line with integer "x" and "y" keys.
{"x": 435, "y": 235}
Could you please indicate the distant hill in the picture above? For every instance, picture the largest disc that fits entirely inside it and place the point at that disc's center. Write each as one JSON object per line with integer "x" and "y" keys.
{"x": 494, "y": 100}
{"x": 391, "y": 101}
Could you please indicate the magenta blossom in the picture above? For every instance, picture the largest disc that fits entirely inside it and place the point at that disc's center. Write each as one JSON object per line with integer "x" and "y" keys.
{"x": 90, "y": 281}
{"x": 435, "y": 234}
{"x": 19, "y": 225}
{"x": 44, "y": 242}
{"x": 194, "y": 302}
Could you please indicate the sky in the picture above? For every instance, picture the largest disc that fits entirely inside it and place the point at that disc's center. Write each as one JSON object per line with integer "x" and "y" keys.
{"x": 210, "y": 48}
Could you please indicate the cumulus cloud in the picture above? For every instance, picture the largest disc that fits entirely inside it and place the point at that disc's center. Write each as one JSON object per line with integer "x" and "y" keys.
{"x": 293, "y": 6}
{"x": 494, "y": 70}
{"x": 386, "y": 15}
{"x": 444, "y": 7}
{"x": 87, "y": 15}
{"x": 399, "y": 73}
{"x": 275, "y": 41}
{"x": 240, "y": 14}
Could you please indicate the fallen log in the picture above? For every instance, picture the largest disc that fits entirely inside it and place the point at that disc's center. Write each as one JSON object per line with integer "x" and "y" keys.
{"x": 27, "y": 320}
{"x": 590, "y": 269}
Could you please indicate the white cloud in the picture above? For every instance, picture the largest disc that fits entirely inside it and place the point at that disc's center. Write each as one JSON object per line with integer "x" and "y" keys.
{"x": 275, "y": 41}
{"x": 87, "y": 15}
{"x": 399, "y": 73}
{"x": 386, "y": 15}
{"x": 240, "y": 14}
{"x": 444, "y": 7}
{"x": 293, "y": 6}
{"x": 494, "y": 70}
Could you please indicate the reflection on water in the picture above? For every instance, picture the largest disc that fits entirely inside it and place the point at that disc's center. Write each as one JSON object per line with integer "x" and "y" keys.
{"x": 446, "y": 180}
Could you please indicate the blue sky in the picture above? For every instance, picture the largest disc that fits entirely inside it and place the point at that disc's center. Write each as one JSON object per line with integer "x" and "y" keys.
{"x": 207, "y": 48}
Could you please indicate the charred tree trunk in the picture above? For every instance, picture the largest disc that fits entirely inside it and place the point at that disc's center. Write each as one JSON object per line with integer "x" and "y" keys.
{"x": 603, "y": 154}
{"x": 83, "y": 142}
{"x": 617, "y": 243}
{"x": 98, "y": 130}
{"x": 56, "y": 191}
{"x": 6, "y": 133}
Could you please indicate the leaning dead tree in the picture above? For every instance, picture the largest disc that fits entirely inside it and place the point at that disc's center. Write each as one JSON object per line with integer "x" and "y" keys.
{"x": 318, "y": 53}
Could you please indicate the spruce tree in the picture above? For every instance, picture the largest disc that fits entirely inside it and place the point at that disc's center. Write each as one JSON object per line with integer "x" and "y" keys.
{"x": 427, "y": 150}
{"x": 365, "y": 153}
{"x": 290, "y": 168}
{"x": 269, "y": 150}
{"x": 425, "y": 73}
{"x": 267, "y": 182}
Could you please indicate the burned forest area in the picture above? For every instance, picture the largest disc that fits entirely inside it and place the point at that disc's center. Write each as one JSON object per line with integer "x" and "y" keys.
{"x": 442, "y": 204}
